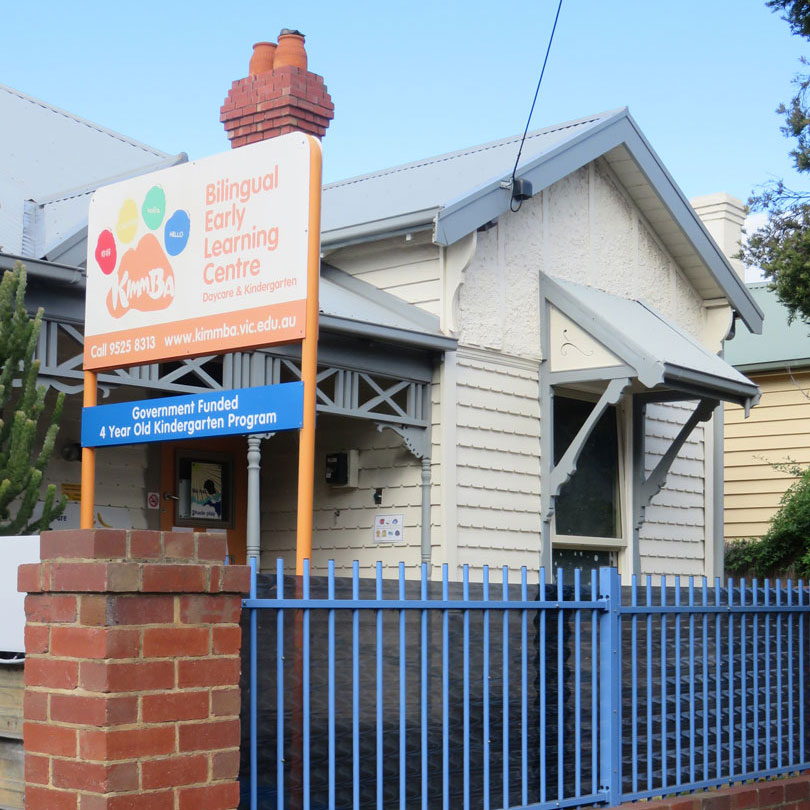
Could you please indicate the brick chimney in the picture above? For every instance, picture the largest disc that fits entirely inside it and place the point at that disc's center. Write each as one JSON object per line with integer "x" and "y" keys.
{"x": 279, "y": 96}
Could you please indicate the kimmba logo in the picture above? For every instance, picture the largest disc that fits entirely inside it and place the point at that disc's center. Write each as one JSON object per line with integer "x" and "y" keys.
{"x": 144, "y": 279}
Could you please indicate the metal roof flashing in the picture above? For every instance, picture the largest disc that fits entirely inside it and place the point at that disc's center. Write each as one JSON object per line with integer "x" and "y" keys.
{"x": 459, "y": 192}
{"x": 659, "y": 351}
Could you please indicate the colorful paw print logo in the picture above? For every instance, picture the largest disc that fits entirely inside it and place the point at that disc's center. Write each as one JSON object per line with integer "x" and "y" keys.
{"x": 145, "y": 279}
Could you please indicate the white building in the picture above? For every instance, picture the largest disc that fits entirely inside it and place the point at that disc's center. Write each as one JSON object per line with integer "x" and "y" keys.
{"x": 483, "y": 341}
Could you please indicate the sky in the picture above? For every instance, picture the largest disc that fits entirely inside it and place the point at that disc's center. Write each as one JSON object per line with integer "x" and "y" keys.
{"x": 702, "y": 78}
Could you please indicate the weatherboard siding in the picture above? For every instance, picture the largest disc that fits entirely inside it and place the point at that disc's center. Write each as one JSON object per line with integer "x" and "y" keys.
{"x": 122, "y": 473}
{"x": 774, "y": 434}
{"x": 672, "y": 539}
{"x": 498, "y": 462}
{"x": 407, "y": 268}
{"x": 343, "y": 517}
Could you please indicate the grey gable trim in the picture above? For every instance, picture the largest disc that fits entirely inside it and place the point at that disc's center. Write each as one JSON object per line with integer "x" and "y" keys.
{"x": 651, "y": 371}
{"x": 468, "y": 213}
{"x": 489, "y": 201}
{"x": 694, "y": 229}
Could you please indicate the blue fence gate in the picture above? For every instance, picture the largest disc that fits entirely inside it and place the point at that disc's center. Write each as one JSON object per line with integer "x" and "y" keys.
{"x": 378, "y": 694}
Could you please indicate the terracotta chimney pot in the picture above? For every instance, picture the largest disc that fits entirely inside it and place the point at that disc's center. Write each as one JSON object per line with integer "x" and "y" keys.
{"x": 263, "y": 58}
{"x": 291, "y": 50}
{"x": 279, "y": 96}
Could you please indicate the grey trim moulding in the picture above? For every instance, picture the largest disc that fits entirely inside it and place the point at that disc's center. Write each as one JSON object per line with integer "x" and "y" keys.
{"x": 489, "y": 201}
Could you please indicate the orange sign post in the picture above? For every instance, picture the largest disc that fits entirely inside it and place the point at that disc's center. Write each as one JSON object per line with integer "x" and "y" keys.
{"x": 212, "y": 256}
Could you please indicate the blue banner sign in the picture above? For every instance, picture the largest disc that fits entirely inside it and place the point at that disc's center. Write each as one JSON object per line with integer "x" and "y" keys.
{"x": 265, "y": 409}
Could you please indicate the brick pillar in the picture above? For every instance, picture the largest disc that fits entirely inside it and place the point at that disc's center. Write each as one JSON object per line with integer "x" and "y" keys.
{"x": 132, "y": 672}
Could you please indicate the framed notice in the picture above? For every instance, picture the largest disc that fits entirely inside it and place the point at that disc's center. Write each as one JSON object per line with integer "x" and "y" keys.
{"x": 202, "y": 258}
{"x": 204, "y": 490}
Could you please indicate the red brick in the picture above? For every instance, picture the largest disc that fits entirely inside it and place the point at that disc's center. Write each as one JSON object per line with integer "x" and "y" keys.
{"x": 29, "y": 578}
{"x": 78, "y": 576}
{"x": 40, "y": 738}
{"x": 226, "y": 640}
{"x": 205, "y": 609}
{"x": 162, "y": 578}
{"x": 97, "y": 777}
{"x": 236, "y": 579}
{"x": 743, "y": 798}
{"x": 171, "y": 706}
{"x": 35, "y": 705}
{"x": 126, "y": 743}
{"x": 208, "y": 672}
{"x": 42, "y": 798}
{"x": 770, "y": 794}
{"x": 211, "y": 797}
{"x": 93, "y": 609}
{"x": 179, "y": 545}
{"x": 138, "y": 676}
{"x": 174, "y": 771}
{"x": 209, "y": 736}
{"x": 161, "y": 800}
{"x": 36, "y": 638}
{"x": 92, "y": 710}
{"x": 37, "y": 769}
{"x": 51, "y": 609}
{"x": 225, "y": 702}
{"x": 716, "y": 800}
{"x": 211, "y": 547}
{"x": 797, "y": 789}
{"x": 162, "y": 642}
{"x": 52, "y": 673}
{"x": 690, "y": 803}
{"x": 94, "y": 642}
{"x": 141, "y": 609}
{"x": 145, "y": 545}
{"x": 99, "y": 544}
{"x": 225, "y": 764}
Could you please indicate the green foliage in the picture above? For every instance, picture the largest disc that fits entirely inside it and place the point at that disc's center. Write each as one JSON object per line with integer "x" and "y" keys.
{"x": 782, "y": 246}
{"x": 785, "y": 547}
{"x": 23, "y": 458}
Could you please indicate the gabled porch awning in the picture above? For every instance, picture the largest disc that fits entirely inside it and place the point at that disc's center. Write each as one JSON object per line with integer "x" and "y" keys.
{"x": 598, "y": 336}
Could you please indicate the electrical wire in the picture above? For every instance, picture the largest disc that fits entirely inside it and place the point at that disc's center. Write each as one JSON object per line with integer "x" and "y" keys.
{"x": 534, "y": 101}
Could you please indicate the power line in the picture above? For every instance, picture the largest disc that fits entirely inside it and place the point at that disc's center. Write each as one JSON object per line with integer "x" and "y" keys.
{"x": 531, "y": 111}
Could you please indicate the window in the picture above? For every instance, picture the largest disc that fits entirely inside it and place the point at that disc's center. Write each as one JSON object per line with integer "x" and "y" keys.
{"x": 588, "y": 504}
{"x": 204, "y": 493}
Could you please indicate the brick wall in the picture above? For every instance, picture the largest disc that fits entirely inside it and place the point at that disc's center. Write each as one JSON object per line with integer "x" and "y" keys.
{"x": 790, "y": 793}
{"x": 132, "y": 671}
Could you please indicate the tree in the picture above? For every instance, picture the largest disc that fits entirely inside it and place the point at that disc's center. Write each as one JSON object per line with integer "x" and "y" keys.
{"x": 24, "y": 450}
{"x": 781, "y": 247}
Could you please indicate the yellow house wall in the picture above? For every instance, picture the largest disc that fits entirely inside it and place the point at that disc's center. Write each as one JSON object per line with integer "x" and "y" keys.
{"x": 776, "y": 432}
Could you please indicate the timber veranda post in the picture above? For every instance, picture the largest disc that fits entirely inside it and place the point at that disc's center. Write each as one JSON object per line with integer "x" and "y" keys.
{"x": 309, "y": 365}
{"x": 88, "y": 491}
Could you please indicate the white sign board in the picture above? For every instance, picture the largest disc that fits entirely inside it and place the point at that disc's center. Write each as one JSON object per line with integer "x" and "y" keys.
{"x": 389, "y": 529}
{"x": 202, "y": 258}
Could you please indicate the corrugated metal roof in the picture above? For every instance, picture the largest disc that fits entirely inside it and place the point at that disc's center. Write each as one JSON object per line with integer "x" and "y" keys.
{"x": 660, "y": 351}
{"x": 417, "y": 190}
{"x": 50, "y": 153}
{"x": 780, "y": 345}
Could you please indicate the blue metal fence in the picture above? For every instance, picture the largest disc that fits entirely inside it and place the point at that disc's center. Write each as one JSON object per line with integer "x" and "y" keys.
{"x": 372, "y": 694}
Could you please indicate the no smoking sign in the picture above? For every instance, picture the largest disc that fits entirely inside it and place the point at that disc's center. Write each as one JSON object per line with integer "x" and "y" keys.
{"x": 153, "y": 500}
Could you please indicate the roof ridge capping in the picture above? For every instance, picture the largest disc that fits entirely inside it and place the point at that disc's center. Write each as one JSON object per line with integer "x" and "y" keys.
{"x": 474, "y": 148}
{"x": 83, "y": 121}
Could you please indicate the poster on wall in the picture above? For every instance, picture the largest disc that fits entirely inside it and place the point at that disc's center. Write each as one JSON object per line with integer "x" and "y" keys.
{"x": 205, "y": 257}
{"x": 206, "y": 490}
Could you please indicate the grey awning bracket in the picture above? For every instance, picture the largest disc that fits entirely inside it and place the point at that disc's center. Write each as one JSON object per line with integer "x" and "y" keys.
{"x": 645, "y": 489}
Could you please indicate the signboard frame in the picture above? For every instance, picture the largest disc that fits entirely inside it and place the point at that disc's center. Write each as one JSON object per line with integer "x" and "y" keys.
{"x": 309, "y": 362}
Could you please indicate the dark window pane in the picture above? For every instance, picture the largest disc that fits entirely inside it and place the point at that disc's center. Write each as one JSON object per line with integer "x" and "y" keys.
{"x": 588, "y": 505}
